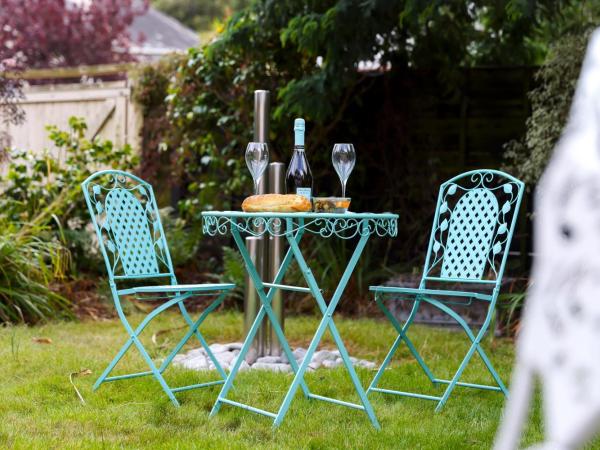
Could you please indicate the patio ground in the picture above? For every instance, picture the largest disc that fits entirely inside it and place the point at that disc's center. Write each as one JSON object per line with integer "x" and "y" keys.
{"x": 39, "y": 407}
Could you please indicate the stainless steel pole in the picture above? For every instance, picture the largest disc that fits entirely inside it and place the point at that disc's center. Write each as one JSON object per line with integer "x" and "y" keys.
{"x": 275, "y": 255}
{"x": 262, "y": 103}
{"x": 257, "y": 247}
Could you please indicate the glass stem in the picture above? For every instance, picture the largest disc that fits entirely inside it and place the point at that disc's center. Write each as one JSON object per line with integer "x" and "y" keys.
{"x": 344, "y": 188}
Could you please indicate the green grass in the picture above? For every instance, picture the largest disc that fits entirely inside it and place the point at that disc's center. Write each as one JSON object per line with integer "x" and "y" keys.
{"x": 39, "y": 407}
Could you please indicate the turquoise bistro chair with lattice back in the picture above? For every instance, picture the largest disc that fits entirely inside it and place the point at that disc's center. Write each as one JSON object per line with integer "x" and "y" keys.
{"x": 472, "y": 229}
{"x": 132, "y": 241}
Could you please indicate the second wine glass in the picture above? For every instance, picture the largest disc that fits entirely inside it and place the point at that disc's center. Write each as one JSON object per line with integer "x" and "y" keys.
{"x": 343, "y": 158}
{"x": 257, "y": 158}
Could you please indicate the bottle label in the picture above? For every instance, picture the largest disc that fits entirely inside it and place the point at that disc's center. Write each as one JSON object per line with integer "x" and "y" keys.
{"x": 304, "y": 192}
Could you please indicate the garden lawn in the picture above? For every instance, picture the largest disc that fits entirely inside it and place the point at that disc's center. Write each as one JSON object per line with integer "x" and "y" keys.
{"x": 40, "y": 409}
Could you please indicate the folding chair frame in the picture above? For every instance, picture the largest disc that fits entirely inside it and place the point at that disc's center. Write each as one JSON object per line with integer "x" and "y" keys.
{"x": 155, "y": 255}
{"x": 495, "y": 252}
{"x": 157, "y": 372}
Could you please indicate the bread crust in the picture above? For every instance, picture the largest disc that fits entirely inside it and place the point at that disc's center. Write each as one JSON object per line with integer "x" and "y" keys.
{"x": 276, "y": 203}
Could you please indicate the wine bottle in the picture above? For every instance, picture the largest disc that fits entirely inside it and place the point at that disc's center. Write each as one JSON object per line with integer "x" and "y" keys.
{"x": 298, "y": 178}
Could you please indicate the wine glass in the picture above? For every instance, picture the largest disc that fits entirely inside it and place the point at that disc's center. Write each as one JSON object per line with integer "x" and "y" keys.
{"x": 257, "y": 158}
{"x": 343, "y": 158}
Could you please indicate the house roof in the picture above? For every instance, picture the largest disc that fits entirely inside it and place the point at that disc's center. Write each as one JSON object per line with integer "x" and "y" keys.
{"x": 161, "y": 33}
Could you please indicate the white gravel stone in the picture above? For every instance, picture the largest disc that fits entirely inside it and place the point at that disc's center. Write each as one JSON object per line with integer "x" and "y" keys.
{"x": 234, "y": 346}
{"x": 299, "y": 353}
{"x": 273, "y": 367}
{"x": 180, "y": 358}
{"x": 314, "y": 365}
{"x": 269, "y": 360}
{"x": 196, "y": 352}
{"x": 323, "y": 355}
{"x": 227, "y": 354}
{"x": 197, "y": 363}
{"x": 243, "y": 366}
{"x": 251, "y": 356}
{"x": 367, "y": 364}
{"x": 225, "y": 358}
{"x": 330, "y": 364}
{"x": 219, "y": 348}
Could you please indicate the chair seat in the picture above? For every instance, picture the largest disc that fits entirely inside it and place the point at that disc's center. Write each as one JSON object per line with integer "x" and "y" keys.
{"x": 207, "y": 287}
{"x": 425, "y": 291}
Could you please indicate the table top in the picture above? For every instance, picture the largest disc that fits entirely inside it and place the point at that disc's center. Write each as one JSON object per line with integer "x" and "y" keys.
{"x": 342, "y": 225}
{"x": 300, "y": 215}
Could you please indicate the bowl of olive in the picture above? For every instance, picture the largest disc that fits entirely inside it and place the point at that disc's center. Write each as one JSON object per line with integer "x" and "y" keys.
{"x": 331, "y": 204}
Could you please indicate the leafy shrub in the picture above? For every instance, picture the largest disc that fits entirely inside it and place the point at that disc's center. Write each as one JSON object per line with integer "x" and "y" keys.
{"x": 43, "y": 216}
{"x": 151, "y": 83}
{"x": 35, "y": 180}
{"x": 30, "y": 259}
{"x": 550, "y": 103}
{"x": 234, "y": 271}
{"x": 183, "y": 242}
{"x": 509, "y": 309}
{"x": 43, "y": 188}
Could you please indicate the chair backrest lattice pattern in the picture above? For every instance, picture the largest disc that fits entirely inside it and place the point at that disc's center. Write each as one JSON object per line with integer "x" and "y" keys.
{"x": 473, "y": 227}
{"x": 127, "y": 223}
{"x": 131, "y": 230}
{"x": 470, "y": 235}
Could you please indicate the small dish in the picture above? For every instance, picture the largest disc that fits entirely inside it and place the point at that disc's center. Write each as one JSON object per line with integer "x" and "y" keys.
{"x": 331, "y": 204}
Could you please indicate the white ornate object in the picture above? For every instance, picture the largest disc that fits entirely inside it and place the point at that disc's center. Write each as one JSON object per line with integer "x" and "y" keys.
{"x": 560, "y": 337}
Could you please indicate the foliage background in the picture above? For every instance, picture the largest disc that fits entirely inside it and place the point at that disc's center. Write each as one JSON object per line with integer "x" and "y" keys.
{"x": 204, "y": 16}
{"x": 365, "y": 71}
{"x": 314, "y": 64}
{"x": 43, "y": 237}
{"x": 550, "y": 103}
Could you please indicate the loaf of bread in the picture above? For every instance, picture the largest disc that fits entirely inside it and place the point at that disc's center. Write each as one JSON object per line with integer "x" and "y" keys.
{"x": 276, "y": 203}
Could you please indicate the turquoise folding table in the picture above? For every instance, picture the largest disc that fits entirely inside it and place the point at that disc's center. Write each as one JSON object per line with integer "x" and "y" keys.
{"x": 292, "y": 226}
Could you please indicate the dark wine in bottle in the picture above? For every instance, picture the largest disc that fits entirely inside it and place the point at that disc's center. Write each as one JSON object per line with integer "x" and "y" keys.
{"x": 298, "y": 178}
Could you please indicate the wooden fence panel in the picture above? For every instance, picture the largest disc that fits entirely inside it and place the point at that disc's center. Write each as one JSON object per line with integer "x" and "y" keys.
{"x": 107, "y": 108}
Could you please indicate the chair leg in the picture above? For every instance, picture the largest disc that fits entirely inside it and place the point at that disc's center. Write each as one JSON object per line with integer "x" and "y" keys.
{"x": 194, "y": 330}
{"x": 155, "y": 371}
{"x": 385, "y": 363}
{"x": 491, "y": 369}
{"x": 133, "y": 339}
{"x": 455, "y": 378}
{"x": 402, "y": 336}
{"x": 113, "y": 363}
{"x": 132, "y": 334}
{"x": 476, "y": 346}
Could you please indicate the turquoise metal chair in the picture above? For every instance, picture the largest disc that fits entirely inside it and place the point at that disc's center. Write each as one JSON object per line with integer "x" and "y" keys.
{"x": 472, "y": 229}
{"x": 133, "y": 244}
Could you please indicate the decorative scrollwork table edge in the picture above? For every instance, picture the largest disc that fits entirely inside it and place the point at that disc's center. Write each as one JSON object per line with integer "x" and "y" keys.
{"x": 341, "y": 225}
